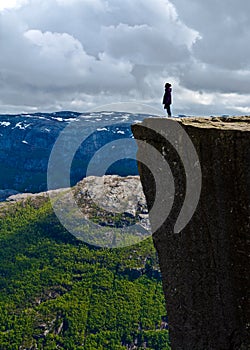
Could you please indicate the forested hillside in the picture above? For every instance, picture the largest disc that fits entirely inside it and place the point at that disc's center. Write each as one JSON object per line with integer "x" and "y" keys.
{"x": 59, "y": 293}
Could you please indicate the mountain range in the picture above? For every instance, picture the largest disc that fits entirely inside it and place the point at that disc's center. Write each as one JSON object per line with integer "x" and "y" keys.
{"x": 26, "y": 142}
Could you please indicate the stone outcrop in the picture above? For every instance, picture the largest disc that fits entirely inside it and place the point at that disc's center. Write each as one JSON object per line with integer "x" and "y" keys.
{"x": 205, "y": 267}
{"x": 107, "y": 201}
{"x": 113, "y": 198}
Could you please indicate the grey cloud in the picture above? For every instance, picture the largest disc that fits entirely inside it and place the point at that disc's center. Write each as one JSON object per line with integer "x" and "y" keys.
{"x": 143, "y": 45}
{"x": 206, "y": 77}
{"x": 67, "y": 49}
{"x": 72, "y": 54}
{"x": 224, "y": 28}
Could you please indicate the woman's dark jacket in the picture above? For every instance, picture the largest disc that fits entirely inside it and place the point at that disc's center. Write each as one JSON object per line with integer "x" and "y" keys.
{"x": 167, "y": 100}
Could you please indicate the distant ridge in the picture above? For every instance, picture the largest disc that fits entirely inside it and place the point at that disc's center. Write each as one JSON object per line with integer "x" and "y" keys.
{"x": 26, "y": 141}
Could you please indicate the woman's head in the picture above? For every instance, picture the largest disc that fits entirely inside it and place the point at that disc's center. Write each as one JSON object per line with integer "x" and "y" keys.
{"x": 167, "y": 85}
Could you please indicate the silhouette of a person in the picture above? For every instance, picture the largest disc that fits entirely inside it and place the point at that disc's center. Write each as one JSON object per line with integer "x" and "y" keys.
{"x": 167, "y": 98}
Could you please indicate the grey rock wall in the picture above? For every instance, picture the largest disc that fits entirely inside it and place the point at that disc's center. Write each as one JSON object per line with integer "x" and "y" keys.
{"x": 205, "y": 268}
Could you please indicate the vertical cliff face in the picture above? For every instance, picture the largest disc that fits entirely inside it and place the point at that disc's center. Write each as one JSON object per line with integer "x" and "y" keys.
{"x": 205, "y": 267}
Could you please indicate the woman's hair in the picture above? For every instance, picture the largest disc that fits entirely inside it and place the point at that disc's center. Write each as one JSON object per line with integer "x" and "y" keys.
{"x": 167, "y": 85}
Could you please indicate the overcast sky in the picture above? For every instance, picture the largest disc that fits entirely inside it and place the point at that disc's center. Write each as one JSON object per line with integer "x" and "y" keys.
{"x": 81, "y": 54}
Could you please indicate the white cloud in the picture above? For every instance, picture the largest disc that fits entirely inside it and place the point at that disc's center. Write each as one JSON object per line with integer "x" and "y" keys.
{"x": 8, "y": 4}
{"x": 76, "y": 54}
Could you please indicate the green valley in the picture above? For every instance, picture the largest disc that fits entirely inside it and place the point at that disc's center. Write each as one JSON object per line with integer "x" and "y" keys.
{"x": 60, "y": 293}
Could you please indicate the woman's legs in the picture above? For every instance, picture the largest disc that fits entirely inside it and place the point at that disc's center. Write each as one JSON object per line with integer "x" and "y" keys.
{"x": 168, "y": 110}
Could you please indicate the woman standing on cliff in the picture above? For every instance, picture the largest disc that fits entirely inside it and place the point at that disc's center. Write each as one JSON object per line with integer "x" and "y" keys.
{"x": 167, "y": 98}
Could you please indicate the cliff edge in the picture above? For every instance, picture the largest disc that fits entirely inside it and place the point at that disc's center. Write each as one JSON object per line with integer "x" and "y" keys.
{"x": 205, "y": 267}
